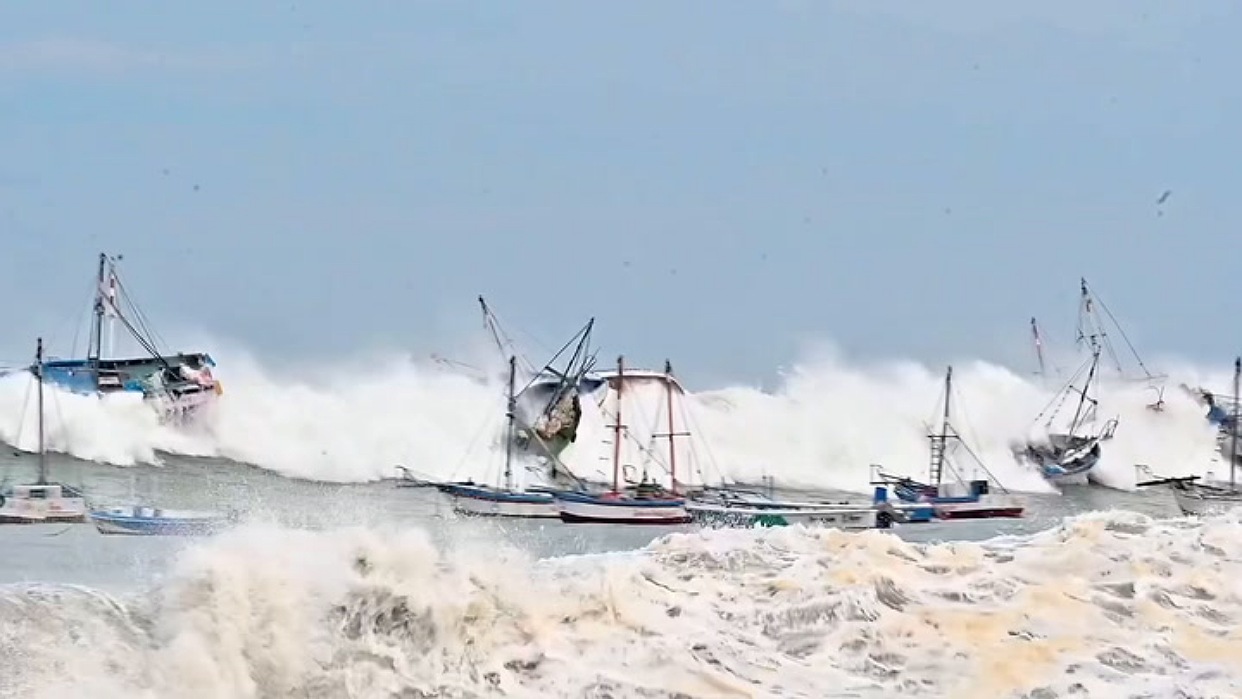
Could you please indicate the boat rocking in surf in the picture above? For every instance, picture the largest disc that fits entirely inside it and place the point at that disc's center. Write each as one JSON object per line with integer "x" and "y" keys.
{"x": 548, "y": 408}
{"x": 957, "y": 498}
{"x": 176, "y": 385}
{"x": 506, "y": 500}
{"x": 1068, "y": 457}
{"x": 42, "y": 501}
{"x": 647, "y": 502}
{"x": 1205, "y": 496}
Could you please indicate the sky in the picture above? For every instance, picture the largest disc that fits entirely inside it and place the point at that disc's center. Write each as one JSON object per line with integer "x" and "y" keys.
{"x": 723, "y": 183}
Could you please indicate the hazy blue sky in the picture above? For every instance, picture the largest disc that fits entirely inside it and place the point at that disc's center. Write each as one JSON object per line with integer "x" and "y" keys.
{"x": 716, "y": 181}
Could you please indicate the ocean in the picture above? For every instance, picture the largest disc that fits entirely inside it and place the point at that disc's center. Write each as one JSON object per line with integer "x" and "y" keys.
{"x": 337, "y": 583}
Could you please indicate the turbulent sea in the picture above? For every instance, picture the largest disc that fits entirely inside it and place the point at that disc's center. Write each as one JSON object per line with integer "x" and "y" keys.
{"x": 338, "y": 584}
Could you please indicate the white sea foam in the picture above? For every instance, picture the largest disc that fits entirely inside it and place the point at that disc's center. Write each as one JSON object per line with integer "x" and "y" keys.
{"x": 828, "y": 420}
{"x": 1107, "y": 605}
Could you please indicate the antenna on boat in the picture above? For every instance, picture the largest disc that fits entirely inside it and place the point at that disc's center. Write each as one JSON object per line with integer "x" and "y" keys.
{"x": 511, "y": 415}
{"x": 617, "y": 427}
{"x": 1233, "y": 457}
{"x": 39, "y": 377}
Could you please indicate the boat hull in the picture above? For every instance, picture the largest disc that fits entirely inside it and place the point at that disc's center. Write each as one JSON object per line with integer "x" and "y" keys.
{"x": 848, "y": 518}
{"x": 128, "y": 523}
{"x": 475, "y": 501}
{"x": 977, "y": 511}
{"x": 586, "y": 509}
{"x": 20, "y": 508}
{"x": 1198, "y": 502}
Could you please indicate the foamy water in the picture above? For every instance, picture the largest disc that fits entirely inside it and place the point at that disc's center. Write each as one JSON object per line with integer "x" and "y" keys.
{"x": 1107, "y": 605}
{"x": 823, "y": 426}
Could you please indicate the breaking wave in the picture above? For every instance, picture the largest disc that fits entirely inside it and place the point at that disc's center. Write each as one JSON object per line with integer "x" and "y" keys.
{"x": 1107, "y": 604}
{"x": 826, "y": 422}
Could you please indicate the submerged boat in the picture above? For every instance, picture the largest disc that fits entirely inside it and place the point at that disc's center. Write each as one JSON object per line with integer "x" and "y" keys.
{"x": 1204, "y": 496}
{"x": 42, "y": 501}
{"x": 176, "y": 385}
{"x": 1068, "y": 457}
{"x": 648, "y": 502}
{"x": 958, "y": 497}
{"x": 154, "y": 521}
{"x": 506, "y": 500}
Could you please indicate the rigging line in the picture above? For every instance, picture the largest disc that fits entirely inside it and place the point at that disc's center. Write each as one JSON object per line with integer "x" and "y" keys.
{"x": 1125, "y": 338}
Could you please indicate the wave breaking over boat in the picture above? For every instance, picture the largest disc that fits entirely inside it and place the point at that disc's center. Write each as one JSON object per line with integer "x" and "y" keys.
{"x": 823, "y": 426}
{"x": 1112, "y": 604}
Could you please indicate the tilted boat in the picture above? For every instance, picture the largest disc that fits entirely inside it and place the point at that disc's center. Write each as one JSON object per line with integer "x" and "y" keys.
{"x": 1068, "y": 457}
{"x": 648, "y": 502}
{"x": 958, "y": 497}
{"x": 1205, "y": 496}
{"x": 177, "y": 385}
{"x": 549, "y": 407}
{"x": 154, "y": 521}
{"x": 42, "y": 501}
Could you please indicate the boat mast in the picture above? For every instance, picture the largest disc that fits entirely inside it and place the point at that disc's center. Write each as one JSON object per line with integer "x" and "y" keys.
{"x": 940, "y": 441}
{"x": 1082, "y": 396}
{"x": 616, "y": 429}
{"x": 511, "y": 415}
{"x": 1233, "y": 457}
{"x": 39, "y": 377}
{"x": 1039, "y": 347}
{"x": 672, "y": 450}
{"x": 96, "y": 339}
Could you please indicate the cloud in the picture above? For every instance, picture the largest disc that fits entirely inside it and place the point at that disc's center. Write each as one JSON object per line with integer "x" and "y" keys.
{"x": 79, "y": 55}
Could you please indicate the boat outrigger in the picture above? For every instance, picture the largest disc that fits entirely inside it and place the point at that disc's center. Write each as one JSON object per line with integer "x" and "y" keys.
{"x": 42, "y": 501}
{"x": 958, "y": 498}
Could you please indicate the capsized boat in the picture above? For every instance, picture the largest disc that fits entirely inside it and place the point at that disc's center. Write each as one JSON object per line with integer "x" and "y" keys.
{"x": 176, "y": 385}
{"x": 1068, "y": 457}
{"x": 155, "y": 521}
{"x": 42, "y": 501}
{"x": 958, "y": 497}
{"x": 648, "y": 502}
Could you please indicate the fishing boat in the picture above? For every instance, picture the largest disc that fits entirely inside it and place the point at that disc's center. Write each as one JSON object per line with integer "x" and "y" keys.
{"x": 647, "y": 502}
{"x": 1068, "y": 457}
{"x": 958, "y": 498}
{"x": 507, "y": 500}
{"x": 154, "y": 521}
{"x": 42, "y": 501}
{"x": 1205, "y": 496}
{"x": 177, "y": 385}
{"x": 549, "y": 406}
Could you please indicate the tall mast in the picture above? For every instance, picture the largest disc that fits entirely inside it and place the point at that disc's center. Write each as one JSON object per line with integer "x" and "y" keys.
{"x": 1233, "y": 457}
{"x": 1039, "y": 346}
{"x": 511, "y": 411}
{"x": 96, "y": 339}
{"x": 940, "y": 441}
{"x": 616, "y": 429}
{"x": 672, "y": 451}
{"x": 1082, "y": 398}
{"x": 39, "y": 377}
